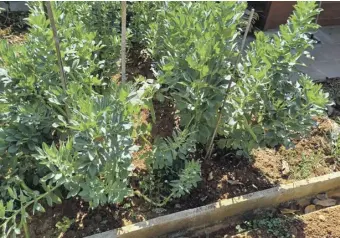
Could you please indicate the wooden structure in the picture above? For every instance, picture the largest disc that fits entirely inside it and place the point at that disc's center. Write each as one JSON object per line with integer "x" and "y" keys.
{"x": 273, "y": 14}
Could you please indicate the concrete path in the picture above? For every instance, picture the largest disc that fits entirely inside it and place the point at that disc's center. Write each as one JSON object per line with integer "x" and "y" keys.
{"x": 326, "y": 55}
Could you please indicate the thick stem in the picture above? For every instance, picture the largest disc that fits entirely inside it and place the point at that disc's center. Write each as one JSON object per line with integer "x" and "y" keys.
{"x": 123, "y": 50}
{"x": 27, "y": 233}
{"x": 211, "y": 144}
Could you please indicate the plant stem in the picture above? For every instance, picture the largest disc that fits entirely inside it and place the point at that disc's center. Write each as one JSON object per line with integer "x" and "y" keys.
{"x": 165, "y": 201}
{"x": 27, "y": 233}
{"x": 27, "y": 205}
{"x": 123, "y": 50}
{"x": 211, "y": 145}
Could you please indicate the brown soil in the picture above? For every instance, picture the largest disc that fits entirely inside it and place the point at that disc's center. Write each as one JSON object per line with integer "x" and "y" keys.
{"x": 165, "y": 119}
{"x": 13, "y": 27}
{"x": 310, "y": 157}
{"x": 323, "y": 223}
{"x": 320, "y": 224}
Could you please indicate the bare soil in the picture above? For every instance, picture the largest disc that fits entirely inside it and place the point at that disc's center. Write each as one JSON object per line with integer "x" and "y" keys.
{"x": 13, "y": 27}
{"x": 311, "y": 156}
{"x": 320, "y": 224}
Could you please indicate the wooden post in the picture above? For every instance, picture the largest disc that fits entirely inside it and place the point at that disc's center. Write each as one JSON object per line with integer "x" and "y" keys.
{"x": 57, "y": 46}
{"x": 123, "y": 50}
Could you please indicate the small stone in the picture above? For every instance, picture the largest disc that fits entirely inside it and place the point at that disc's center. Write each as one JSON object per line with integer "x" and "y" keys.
{"x": 303, "y": 202}
{"x": 285, "y": 168}
{"x": 159, "y": 210}
{"x": 325, "y": 203}
{"x": 98, "y": 218}
{"x": 126, "y": 222}
{"x": 322, "y": 196}
{"x": 224, "y": 178}
{"x": 204, "y": 198}
{"x": 322, "y": 217}
{"x": 210, "y": 177}
{"x": 334, "y": 194}
{"x": 310, "y": 208}
{"x": 178, "y": 206}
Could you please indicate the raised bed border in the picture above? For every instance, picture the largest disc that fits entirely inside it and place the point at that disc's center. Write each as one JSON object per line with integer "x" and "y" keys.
{"x": 218, "y": 211}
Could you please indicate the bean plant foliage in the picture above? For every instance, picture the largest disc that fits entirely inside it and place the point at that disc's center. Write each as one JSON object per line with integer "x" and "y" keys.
{"x": 269, "y": 101}
{"x": 60, "y": 142}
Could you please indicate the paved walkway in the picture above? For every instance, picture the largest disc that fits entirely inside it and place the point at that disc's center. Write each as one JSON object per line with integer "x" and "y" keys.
{"x": 326, "y": 55}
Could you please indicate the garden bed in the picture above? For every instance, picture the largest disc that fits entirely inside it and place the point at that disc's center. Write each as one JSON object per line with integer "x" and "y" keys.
{"x": 223, "y": 177}
{"x": 231, "y": 216}
{"x": 73, "y": 132}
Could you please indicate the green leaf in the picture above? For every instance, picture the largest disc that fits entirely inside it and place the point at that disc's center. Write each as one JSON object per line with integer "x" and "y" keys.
{"x": 58, "y": 176}
{"x": 12, "y": 193}
{"x": 12, "y": 149}
{"x": 49, "y": 200}
{"x": 9, "y": 205}
{"x": 73, "y": 192}
{"x": 2, "y": 210}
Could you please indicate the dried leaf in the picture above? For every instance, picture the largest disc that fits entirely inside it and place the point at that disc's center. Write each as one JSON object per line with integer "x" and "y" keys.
{"x": 288, "y": 211}
{"x": 234, "y": 182}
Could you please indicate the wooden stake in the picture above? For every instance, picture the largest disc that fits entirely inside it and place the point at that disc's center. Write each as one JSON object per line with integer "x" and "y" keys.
{"x": 123, "y": 50}
{"x": 211, "y": 145}
{"x": 57, "y": 47}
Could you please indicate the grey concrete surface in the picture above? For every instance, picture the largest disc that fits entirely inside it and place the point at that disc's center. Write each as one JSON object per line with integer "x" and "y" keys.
{"x": 326, "y": 54}
{"x": 14, "y": 6}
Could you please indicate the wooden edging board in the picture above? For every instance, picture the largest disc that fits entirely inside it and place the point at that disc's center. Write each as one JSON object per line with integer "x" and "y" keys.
{"x": 216, "y": 212}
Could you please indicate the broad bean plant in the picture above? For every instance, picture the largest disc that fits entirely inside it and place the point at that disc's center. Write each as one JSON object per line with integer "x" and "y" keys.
{"x": 59, "y": 142}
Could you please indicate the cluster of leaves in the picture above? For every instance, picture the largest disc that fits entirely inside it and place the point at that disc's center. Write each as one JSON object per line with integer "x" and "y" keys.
{"x": 195, "y": 45}
{"x": 268, "y": 103}
{"x": 78, "y": 139}
{"x": 55, "y": 139}
{"x": 278, "y": 226}
{"x": 59, "y": 141}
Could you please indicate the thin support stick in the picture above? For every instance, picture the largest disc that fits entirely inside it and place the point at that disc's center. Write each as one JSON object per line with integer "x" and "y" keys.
{"x": 57, "y": 46}
{"x": 211, "y": 145}
{"x": 123, "y": 41}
